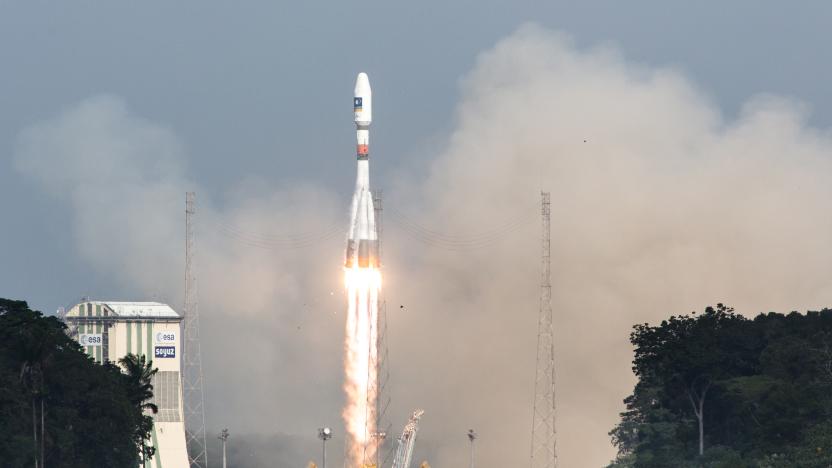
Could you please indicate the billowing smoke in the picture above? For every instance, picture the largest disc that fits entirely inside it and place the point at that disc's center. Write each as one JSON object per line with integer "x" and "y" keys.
{"x": 661, "y": 204}
{"x": 269, "y": 262}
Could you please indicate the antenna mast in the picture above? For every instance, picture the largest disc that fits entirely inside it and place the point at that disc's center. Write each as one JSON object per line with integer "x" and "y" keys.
{"x": 544, "y": 434}
{"x": 193, "y": 395}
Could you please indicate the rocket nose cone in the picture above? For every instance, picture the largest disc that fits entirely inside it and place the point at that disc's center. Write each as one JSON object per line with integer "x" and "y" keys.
{"x": 363, "y": 101}
{"x": 362, "y": 84}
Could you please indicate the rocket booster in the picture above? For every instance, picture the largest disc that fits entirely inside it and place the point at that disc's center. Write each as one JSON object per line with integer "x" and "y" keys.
{"x": 362, "y": 238}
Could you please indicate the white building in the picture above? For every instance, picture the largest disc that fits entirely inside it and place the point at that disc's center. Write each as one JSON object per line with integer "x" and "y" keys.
{"x": 110, "y": 330}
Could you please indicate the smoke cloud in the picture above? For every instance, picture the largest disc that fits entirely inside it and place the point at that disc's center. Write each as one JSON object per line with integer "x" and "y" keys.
{"x": 661, "y": 204}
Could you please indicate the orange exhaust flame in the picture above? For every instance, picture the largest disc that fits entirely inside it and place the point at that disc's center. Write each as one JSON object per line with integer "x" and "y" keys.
{"x": 360, "y": 363}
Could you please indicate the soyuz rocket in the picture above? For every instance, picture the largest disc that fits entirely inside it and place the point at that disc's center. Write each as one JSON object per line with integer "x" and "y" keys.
{"x": 362, "y": 238}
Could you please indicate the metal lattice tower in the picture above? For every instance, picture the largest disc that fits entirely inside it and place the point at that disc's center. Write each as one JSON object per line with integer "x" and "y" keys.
{"x": 383, "y": 426}
{"x": 382, "y": 367}
{"x": 544, "y": 434}
{"x": 193, "y": 395}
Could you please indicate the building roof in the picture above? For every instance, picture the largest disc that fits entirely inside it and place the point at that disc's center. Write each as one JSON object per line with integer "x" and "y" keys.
{"x": 135, "y": 309}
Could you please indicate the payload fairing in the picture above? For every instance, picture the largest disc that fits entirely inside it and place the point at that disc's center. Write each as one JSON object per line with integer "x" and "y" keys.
{"x": 362, "y": 238}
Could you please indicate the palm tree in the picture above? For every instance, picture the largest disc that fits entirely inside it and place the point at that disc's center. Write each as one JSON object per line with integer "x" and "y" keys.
{"x": 140, "y": 373}
{"x": 40, "y": 339}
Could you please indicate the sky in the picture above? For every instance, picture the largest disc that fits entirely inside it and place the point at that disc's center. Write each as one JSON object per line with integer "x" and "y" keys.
{"x": 707, "y": 135}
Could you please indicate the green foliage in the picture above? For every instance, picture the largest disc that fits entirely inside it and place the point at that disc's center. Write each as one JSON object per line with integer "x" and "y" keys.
{"x": 815, "y": 451}
{"x": 93, "y": 415}
{"x": 763, "y": 386}
{"x": 140, "y": 392}
{"x": 720, "y": 456}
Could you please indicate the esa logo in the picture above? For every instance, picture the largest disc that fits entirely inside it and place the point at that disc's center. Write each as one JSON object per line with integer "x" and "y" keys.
{"x": 165, "y": 352}
{"x": 90, "y": 339}
{"x": 166, "y": 337}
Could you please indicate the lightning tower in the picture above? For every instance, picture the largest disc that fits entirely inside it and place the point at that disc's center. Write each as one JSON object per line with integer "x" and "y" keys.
{"x": 382, "y": 366}
{"x": 544, "y": 434}
{"x": 193, "y": 394}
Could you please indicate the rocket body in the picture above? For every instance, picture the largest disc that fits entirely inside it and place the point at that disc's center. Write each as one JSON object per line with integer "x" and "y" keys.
{"x": 362, "y": 279}
{"x": 362, "y": 237}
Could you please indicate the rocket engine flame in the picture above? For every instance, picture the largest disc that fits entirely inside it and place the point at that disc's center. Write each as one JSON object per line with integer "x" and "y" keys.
{"x": 362, "y": 280}
{"x": 361, "y": 357}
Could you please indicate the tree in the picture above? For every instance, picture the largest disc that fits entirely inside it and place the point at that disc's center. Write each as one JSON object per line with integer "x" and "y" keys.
{"x": 717, "y": 389}
{"x": 36, "y": 341}
{"x": 682, "y": 357}
{"x": 58, "y": 408}
{"x": 140, "y": 374}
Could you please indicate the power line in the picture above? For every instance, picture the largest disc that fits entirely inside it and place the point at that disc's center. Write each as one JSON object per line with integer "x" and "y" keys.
{"x": 475, "y": 240}
{"x": 411, "y": 228}
{"x": 277, "y": 242}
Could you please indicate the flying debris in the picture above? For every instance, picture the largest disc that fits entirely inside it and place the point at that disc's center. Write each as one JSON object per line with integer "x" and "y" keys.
{"x": 362, "y": 238}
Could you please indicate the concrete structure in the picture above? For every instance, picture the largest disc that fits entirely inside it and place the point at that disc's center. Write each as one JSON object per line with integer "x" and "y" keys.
{"x": 109, "y": 330}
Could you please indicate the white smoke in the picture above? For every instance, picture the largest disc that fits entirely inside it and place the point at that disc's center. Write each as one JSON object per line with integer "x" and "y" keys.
{"x": 117, "y": 173}
{"x": 660, "y": 205}
{"x": 271, "y": 297}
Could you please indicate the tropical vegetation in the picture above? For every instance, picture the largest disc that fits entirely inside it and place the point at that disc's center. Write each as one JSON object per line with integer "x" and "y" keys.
{"x": 720, "y": 390}
{"x": 58, "y": 408}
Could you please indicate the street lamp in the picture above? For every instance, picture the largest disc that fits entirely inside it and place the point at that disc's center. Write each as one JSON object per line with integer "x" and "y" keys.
{"x": 324, "y": 434}
{"x": 472, "y": 436}
{"x": 379, "y": 438}
{"x": 224, "y": 438}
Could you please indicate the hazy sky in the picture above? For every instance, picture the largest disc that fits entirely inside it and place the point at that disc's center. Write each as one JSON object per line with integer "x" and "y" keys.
{"x": 109, "y": 112}
{"x": 258, "y": 87}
